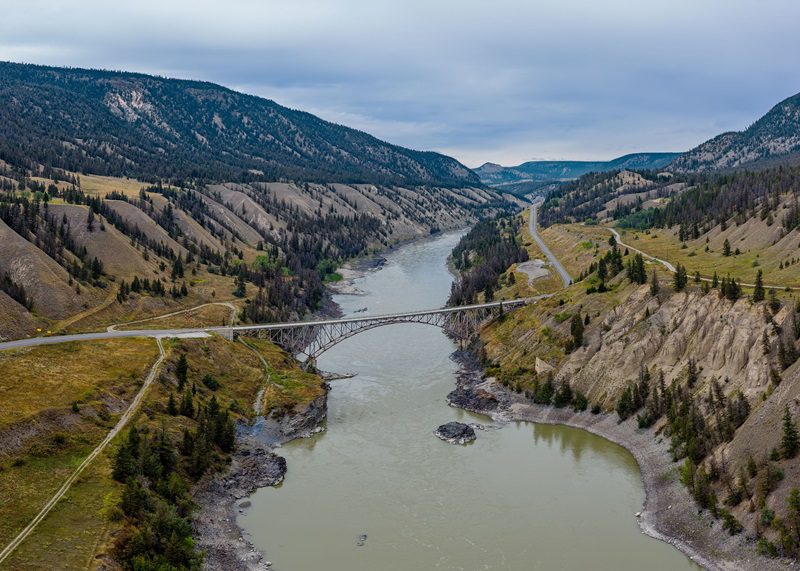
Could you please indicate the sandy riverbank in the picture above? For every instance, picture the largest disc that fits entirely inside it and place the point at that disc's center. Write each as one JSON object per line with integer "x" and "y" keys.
{"x": 353, "y": 270}
{"x": 669, "y": 513}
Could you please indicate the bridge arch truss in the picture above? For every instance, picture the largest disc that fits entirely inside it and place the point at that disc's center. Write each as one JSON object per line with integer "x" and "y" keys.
{"x": 313, "y": 338}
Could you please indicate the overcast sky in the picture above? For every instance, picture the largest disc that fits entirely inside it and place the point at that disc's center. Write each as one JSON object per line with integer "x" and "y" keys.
{"x": 501, "y": 80}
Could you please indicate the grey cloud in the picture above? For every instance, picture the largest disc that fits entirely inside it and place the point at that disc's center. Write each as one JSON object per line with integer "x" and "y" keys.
{"x": 504, "y": 81}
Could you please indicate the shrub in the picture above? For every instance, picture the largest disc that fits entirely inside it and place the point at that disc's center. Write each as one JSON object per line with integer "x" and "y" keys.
{"x": 210, "y": 382}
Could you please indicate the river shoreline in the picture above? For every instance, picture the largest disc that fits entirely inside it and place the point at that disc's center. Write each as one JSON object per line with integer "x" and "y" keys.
{"x": 669, "y": 513}
{"x": 254, "y": 465}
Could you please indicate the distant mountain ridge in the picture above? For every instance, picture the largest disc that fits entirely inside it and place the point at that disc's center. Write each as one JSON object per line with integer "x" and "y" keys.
{"x": 551, "y": 171}
{"x": 137, "y": 125}
{"x": 773, "y": 136}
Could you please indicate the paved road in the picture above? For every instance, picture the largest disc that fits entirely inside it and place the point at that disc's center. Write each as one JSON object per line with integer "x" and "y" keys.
{"x": 563, "y": 274}
{"x": 123, "y": 420}
{"x": 228, "y": 331}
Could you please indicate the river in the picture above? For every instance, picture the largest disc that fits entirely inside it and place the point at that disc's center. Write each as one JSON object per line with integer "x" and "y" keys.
{"x": 524, "y": 496}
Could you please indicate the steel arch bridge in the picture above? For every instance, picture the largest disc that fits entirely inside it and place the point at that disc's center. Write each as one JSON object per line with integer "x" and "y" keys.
{"x": 313, "y": 338}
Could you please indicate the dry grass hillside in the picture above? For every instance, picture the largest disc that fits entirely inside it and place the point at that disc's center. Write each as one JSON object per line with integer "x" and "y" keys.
{"x": 58, "y": 402}
{"x": 110, "y": 246}
{"x": 45, "y": 281}
{"x": 43, "y": 438}
{"x": 761, "y": 243}
{"x": 138, "y": 231}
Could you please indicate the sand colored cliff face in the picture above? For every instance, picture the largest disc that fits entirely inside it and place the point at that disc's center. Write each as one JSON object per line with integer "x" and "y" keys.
{"x": 724, "y": 339}
{"x": 630, "y": 328}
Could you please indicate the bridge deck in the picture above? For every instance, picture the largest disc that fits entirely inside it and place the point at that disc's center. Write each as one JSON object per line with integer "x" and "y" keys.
{"x": 384, "y": 317}
{"x": 231, "y": 330}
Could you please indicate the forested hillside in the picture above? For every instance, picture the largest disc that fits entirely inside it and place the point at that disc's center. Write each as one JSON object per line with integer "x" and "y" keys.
{"x": 543, "y": 172}
{"x": 153, "y": 128}
{"x": 125, "y": 195}
{"x": 482, "y": 255}
{"x": 775, "y": 135}
{"x": 598, "y": 196}
{"x": 112, "y": 250}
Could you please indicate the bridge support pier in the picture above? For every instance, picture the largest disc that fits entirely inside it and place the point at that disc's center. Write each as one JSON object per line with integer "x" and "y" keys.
{"x": 310, "y": 365}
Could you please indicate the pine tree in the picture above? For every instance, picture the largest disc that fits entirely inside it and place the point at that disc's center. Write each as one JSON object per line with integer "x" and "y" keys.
{"x": 758, "y": 289}
{"x": 691, "y": 373}
{"x": 576, "y": 329}
{"x": 636, "y": 270}
{"x": 135, "y": 498}
{"x": 680, "y": 279}
{"x": 126, "y": 460}
{"x": 177, "y": 268}
{"x": 181, "y": 370}
{"x": 790, "y": 442}
{"x": 654, "y": 283}
{"x": 774, "y": 302}
{"x": 732, "y": 289}
{"x": 172, "y": 409}
{"x": 187, "y": 406}
{"x": 793, "y": 512}
{"x": 96, "y": 267}
{"x": 124, "y": 464}
{"x": 488, "y": 293}
{"x": 726, "y": 248}
{"x": 241, "y": 282}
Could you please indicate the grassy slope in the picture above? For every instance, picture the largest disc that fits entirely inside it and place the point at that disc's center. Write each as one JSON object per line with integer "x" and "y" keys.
{"x": 205, "y": 316}
{"x": 42, "y": 440}
{"x": 289, "y": 386}
{"x": 761, "y": 247}
{"x": 108, "y": 245}
{"x": 44, "y": 280}
{"x": 203, "y": 288}
{"x": 79, "y": 529}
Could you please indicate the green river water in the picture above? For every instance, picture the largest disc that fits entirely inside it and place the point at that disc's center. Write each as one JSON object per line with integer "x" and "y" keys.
{"x": 521, "y": 497}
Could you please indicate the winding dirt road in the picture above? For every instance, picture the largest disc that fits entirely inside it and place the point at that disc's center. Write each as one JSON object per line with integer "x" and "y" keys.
{"x": 670, "y": 268}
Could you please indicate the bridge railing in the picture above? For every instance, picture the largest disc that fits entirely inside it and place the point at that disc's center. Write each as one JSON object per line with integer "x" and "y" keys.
{"x": 312, "y": 338}
{"x": 510, "y": 304}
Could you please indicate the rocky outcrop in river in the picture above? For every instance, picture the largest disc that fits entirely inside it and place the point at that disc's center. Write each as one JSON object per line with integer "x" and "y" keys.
{"x": 455, "y": 433}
